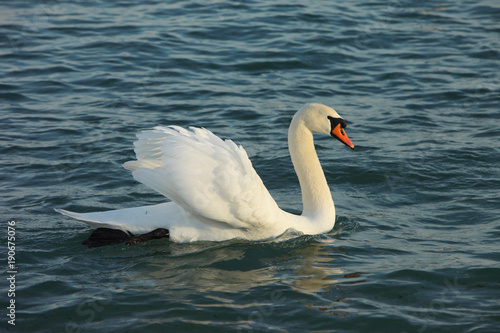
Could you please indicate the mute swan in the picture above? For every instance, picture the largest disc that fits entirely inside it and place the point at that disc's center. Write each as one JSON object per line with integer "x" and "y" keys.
{"x": 216, "y": 193}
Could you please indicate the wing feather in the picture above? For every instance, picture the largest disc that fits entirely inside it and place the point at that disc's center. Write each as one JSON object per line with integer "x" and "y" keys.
{"x": 210, "y": 178}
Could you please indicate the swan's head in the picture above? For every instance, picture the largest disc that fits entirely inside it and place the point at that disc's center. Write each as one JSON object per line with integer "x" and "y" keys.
{"x": 323, "y": 119}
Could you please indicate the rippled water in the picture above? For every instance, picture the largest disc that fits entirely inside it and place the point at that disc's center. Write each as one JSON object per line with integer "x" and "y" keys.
{"x": 415, "y": 247}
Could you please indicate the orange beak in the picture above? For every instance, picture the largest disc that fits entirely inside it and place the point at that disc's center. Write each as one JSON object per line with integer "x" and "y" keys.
{"x": 339, "y": 133}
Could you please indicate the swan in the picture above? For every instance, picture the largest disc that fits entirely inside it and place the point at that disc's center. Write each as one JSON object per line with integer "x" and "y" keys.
{"x": 215, "y": 192}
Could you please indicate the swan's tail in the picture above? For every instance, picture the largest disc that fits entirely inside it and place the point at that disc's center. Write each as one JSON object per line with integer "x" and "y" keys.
{"x": 91, "y": 219}
{"x": 135, "y": 220}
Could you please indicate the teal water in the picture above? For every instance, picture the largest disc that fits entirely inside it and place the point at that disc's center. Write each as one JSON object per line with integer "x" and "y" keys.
{"x": 416, "y": 242}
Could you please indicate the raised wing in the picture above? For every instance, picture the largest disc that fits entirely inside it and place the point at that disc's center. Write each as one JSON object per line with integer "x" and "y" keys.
{"x": 210, "y": 178}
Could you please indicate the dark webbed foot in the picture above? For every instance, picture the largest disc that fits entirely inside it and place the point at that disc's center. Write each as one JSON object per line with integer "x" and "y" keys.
{"x": 107, "y": 236}
{"x": 155, "y": 234}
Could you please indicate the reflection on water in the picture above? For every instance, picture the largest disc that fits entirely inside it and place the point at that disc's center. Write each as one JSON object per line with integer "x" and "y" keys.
{"x": 198, "y": 268}
{"x": 305, "y": 264}
{"x": 315, "y": 269}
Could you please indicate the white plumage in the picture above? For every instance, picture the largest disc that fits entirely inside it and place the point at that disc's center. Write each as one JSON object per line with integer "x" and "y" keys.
{"x": 215, "y": 191}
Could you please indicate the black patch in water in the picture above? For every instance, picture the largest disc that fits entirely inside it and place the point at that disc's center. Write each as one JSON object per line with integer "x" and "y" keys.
{"x": 107, "y": 236}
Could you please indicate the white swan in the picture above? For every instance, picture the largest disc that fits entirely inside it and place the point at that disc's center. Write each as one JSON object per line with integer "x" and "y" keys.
{"x": 216, "y": 193}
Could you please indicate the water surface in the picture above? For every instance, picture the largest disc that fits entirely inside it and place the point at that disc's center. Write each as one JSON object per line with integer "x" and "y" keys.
{"x": 415, "y": 246}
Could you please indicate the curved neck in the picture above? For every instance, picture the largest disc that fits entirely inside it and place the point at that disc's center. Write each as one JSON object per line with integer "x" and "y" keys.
{"x": 316, "y": 197}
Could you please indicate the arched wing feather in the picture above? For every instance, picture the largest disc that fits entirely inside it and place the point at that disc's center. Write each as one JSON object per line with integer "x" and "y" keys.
{"x": 210, "y": 178}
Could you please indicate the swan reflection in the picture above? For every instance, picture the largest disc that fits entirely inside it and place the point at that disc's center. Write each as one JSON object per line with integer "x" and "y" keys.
{"x": 304, "y": 264}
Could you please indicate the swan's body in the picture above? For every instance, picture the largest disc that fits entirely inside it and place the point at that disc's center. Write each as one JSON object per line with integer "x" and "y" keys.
{"x": 216, "y": 193}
